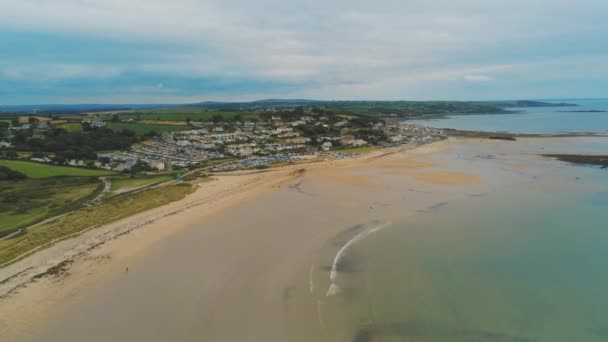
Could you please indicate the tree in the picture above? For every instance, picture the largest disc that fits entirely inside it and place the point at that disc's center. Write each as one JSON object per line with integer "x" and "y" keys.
{"x": 8, "y": 174}
{"x": 115, "y": 118}
{"x": 128, "y": 133}
{"x": 39, "y": 155}
{"x": 11, "y": 154}
{"x": 3, "y": 128}
{"x": 217, "y": 118}
{"x": 59, "y": 159}
{"x": 104, "y": 160}
{"x": 152, "y": 134}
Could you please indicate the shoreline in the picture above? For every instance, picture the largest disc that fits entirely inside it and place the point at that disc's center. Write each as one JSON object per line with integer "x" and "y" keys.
{"x": 99, "y": 257}
{"x": 231, "y": 187}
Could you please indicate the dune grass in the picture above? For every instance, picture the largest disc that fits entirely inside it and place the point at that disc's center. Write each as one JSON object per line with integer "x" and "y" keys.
{"x": 28, "y": 201}
{"x": 78, "y": 221}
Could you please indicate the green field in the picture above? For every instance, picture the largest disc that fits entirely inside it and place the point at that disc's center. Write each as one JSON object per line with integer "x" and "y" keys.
{"x": 27, "y": 201}
{"x": 141, "y": 129}
{"x": 133, "y": 182}
{"x": 36, "y": 170}
{"x": 71, "y": 127}
{"x": 181, "y": 114}
{"x": 109, "y": 211}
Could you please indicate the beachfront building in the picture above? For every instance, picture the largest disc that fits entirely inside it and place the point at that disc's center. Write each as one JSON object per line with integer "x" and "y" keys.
{"x": 160, "y": 165}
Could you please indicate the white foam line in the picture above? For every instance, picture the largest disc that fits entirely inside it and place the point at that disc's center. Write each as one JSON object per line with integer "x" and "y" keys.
{"x": 311, "y": 282}
{"x": 333, "y": 274}
{"x": 320, "y": 314}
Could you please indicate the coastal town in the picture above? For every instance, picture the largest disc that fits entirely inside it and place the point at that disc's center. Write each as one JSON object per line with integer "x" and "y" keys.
{"x": 274, "y": 135}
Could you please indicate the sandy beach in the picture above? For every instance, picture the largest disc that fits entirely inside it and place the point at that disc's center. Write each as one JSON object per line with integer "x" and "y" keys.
{"x": 250, "y": 256}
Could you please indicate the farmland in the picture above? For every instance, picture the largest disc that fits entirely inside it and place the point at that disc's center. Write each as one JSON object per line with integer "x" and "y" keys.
{"x": 71, "y": 126}
{"x": 142, "y": 129}
{"x": 182, "y": 114}
{"x": 162, "y": 122}
{"x": 35, "y": 170}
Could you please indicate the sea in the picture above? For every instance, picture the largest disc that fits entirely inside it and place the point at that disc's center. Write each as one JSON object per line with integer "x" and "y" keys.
{"x": 527, "y": 263}
{"x": 589, "y": 116}
{"x": 522, "y": 263}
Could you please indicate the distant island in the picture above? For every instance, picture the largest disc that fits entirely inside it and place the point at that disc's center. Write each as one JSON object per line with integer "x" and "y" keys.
{"x": 583, "y": 111}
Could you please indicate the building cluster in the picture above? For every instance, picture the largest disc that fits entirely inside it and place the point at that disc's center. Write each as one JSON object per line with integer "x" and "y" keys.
{"x": 273, "y": 137}
{"x": 255, "y": 162}
{"x": 415, "y": 134}
{"x": 261, "y": 142}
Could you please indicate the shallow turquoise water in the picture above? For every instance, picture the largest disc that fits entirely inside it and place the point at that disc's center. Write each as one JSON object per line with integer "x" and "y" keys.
{"x": 547, "y": 120}
{"x": 527, "y": 263}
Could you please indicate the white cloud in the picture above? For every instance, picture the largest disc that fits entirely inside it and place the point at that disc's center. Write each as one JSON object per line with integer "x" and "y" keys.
{"x": 478, "y": 78}
{"x": 340, "y": 46}
{"x": 57, "y": 71}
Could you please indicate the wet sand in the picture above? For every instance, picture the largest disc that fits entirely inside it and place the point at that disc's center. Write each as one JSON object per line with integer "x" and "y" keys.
{"x": 247, "y": 257}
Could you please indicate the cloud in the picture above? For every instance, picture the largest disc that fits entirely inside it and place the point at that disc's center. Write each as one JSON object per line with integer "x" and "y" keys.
{"x": 478, "y": 78}
{"x": 341, "y": 48}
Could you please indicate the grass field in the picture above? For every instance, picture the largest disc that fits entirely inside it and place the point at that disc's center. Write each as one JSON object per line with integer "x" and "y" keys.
{"x": 181, "y": 114}
{"x": 163, "y": 122}
{"x": 58, "y": 122}
{"x": 28, "y": 201}
{"x": 126, "y": 183}
{"x": 141, "y": 129}
{"x": 71, "y": 127}
{"x": 26, "y": 119}
{"x": 78, "y": 221}
{"x": 36, "y": 170}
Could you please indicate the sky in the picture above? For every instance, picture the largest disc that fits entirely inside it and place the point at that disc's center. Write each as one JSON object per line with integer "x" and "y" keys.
{"x": 184, "y": 51}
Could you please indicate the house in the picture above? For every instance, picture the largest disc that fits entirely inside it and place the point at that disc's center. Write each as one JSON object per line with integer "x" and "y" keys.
{"x": 392, "y": 120}
{"x": 341, "y": 123}
{"x": 327, "y": 145}
{"x": 160, "y": 165}
{"x": 358, "y": 143}
{"x": 97, "y": 123}
{"x": 41, "y": 130}
{"x": 41, "y": 160}
{"x": 74, "y": 162}
{"x": 298, "y": 140}
{"x": 23, "y": 127}
{"x": 126, "y": 166}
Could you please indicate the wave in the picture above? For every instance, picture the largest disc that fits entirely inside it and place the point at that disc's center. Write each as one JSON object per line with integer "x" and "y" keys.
{"x": 334, "y": 288}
